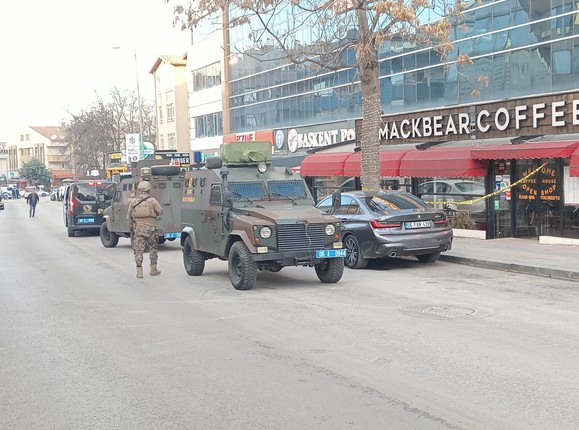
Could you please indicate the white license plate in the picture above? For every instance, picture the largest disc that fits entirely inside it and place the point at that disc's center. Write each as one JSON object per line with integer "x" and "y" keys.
{"x": 416, "y": 224}
{"x": 85, "y": 220}
{"x": 171, "y": 235}
{"x": 330, "y": 253}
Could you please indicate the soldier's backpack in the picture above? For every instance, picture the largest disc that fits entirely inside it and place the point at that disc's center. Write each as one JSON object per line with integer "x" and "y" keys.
{"x": 142, "y": 210}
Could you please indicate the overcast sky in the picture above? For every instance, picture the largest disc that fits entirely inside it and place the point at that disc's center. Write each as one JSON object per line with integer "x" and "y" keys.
{"x": 57, "y": 53}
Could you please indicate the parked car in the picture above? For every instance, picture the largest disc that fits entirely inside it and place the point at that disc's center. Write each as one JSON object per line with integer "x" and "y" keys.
{"x": 6, "y": 192}
{"x": 54, "y": 194}
{"x": 387, "y": 224}
{"x": 454, "y": 191}
{"x": 81, "y": 209}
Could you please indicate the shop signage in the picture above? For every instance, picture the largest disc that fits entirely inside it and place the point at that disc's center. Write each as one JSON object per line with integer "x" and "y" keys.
{"x": 501, "y": 166}
{"x": 245, "y": 137}
{"x": 541, "y": 187}
{"x": 311, "y": 137}
{"x": 556, "y": 114}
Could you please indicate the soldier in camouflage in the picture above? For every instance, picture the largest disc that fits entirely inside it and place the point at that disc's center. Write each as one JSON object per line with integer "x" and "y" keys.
{"x": 141, "y": 216}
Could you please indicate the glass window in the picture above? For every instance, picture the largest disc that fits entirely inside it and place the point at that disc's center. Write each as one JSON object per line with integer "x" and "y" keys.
{"x": 293, "y": 189}
{"x": 215, "y": 195}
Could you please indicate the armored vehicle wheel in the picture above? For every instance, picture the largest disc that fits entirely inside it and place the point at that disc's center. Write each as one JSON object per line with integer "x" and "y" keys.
{"x": 428, "y": 258}
{"x": 354, "y": 259}
{"x": 193, "y": 260}
{"x": 162, "y": 240}
{"x": 242, "y": 270}
{"x": 330, "y": 270}
{"x": 108, "y": 239}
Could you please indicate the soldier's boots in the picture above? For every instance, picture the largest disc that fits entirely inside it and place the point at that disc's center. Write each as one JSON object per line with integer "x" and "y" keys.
{"x": 154, "y": 271}
{"x": 139, "y": 272}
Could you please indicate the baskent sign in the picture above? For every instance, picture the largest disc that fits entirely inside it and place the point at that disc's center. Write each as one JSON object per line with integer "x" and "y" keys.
{"x": 557, "y": 114}
{"x": 295, "y": 140}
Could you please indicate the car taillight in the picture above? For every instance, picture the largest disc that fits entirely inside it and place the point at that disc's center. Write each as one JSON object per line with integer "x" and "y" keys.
{"x": 71, "y": 207}
{"x": 442, "y": 221}
{"x": 384, "y": 224}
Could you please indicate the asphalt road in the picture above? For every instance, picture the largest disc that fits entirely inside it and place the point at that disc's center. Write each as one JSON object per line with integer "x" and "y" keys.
{"x": 400, "y": 345}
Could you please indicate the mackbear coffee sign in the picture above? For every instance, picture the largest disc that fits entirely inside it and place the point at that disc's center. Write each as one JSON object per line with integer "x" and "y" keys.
{"x": 557, "y": 114}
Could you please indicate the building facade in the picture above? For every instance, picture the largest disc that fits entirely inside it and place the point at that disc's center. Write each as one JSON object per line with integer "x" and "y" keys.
{"x": 521, "y": 85}
{"x": 172, "y": 122}
{"x": 47, "y": 144}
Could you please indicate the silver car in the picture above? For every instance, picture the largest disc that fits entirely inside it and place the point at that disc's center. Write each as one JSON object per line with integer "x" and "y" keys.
{"x": 379, "y": 224}
{"x": 456, "y": 193}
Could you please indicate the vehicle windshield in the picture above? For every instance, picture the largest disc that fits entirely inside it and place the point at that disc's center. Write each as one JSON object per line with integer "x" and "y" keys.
{"x": 89, "y": 191}
{"x": 293, "y": 189}
{"x": 385, "y": 204}
{"x": 470, "y": 187}
{"x": 247, "y": 190}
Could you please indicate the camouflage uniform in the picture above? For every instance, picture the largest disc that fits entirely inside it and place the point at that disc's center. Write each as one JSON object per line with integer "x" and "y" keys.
{"x": 146, "y": 235}
{"x": 144, "y": 227}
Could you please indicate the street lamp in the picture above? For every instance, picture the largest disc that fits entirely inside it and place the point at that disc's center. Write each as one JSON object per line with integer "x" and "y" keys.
{"x": 138, "y": 96}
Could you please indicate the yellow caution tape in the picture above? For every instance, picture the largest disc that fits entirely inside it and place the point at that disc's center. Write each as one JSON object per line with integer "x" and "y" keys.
{"x": 494, "y": 193}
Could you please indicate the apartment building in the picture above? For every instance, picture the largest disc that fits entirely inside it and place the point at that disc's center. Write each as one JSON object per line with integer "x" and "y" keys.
{"x": 170, "y": 86}
{"x": 45, "y": 143}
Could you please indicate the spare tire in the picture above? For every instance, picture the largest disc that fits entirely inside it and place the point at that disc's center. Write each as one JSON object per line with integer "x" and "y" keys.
{"x": 165, "y": 170}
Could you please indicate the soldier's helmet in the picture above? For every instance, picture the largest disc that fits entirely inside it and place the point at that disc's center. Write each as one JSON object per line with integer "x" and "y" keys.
{"x": 144, "y": 186}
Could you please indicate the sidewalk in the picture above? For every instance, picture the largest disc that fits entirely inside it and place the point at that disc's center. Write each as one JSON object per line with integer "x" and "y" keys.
{"x": 516, "y": 255}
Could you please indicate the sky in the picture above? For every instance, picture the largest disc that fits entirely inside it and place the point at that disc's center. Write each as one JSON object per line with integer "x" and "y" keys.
{"x": 58, "y": 54}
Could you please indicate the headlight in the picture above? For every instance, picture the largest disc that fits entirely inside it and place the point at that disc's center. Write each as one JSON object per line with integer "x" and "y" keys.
{"x": 265, "y": 232}
{"x": 330, "y": 229}
{"x": 262, "y": 167}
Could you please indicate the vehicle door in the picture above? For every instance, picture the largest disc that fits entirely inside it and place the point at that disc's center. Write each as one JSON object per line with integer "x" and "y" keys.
{"x": 66, "y": 203}
{"x": 213, "y": 218}
{"x": 119, "y": 207}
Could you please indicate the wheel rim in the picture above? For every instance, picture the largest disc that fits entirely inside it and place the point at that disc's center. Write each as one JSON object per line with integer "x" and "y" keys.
{"x": 236, "y": 268}
{"x": 352, "y": 251}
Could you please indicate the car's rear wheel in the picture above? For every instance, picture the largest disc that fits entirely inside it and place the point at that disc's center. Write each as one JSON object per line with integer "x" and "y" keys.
{"x": 193, "y": 260}
{"x": 428, "y": 258}
{"x": 330, "y": 270}
{"x": 108, "y": 239}
{"x": 242, "y": 270}
{"x": 69, "y": 229}
{"x": 354, "y": 259}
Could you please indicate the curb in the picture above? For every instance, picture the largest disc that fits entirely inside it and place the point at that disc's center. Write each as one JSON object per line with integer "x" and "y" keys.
{"x": 511, "y": 267}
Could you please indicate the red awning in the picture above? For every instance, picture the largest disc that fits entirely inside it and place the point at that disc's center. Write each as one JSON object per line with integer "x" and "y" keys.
{"x": 389, "y": 162}
{"x": 324, "y": 164}
{"x": 438, "y": 161}
{"x": 574, "y": 163}
{"x": 525, "y": 150}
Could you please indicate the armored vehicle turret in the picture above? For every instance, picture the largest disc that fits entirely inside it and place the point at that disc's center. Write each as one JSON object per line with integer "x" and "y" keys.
{"x": 257, "y": 217}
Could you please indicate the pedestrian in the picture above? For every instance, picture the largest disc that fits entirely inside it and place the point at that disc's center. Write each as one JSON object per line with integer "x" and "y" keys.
{"x": 141, "y": 216}
{"x": 32, "y": 199}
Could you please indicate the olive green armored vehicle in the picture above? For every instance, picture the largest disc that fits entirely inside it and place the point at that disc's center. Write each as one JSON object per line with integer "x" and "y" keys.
{"x": 256, "y": 217}
{"x": 166, "y": 186}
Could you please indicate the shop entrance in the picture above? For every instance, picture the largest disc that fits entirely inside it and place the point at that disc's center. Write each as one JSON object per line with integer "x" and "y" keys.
{"x": 532, "y": 207}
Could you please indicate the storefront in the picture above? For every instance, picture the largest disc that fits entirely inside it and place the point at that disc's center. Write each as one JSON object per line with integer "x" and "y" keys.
{"x": 513, "y": 166}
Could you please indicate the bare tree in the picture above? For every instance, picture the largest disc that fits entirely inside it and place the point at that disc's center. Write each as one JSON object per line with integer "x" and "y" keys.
{"x": 332, "y": 35}
{"x": 101, "y": 129}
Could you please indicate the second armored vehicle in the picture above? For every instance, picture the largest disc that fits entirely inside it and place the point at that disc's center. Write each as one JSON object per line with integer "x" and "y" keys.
{"x": 166, "y": 186}
{"x": 238, "y": 208}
